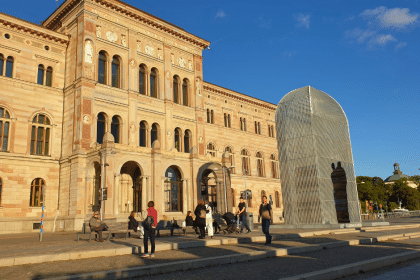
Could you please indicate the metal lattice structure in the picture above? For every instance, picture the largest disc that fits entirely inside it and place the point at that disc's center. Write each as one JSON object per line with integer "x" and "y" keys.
{"x": 316, "y": 162}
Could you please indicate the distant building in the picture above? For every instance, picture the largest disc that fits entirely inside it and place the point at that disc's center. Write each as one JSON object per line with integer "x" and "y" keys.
{"x": 399, "y": 175}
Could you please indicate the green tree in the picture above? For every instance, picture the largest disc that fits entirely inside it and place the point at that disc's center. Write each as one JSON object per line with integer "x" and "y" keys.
{"x": 410, "y": 197}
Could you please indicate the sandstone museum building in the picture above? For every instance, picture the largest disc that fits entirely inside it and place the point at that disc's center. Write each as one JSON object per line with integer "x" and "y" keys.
{"x": 105, "y": 100}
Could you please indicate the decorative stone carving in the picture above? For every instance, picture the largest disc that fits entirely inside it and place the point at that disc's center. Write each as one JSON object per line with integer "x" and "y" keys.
{"x": 132, "y": 62}
{"x": 138, "y": 46}
{"x": 172, "y": 58}
{"x": 197, "y": 86}
{"x": 98, "y": 31}
{"x": 88, "y": 52}
{"x": 86, "y": 119}
{"x": 181, "y": 62}
{"x": 132, "y": 127}
{"x": 159, "y": 53}
{"x": 149, "y": 50}
{"x": 200, "y": 139}
{"x": 169, "y": 133}
{"x": 189, "y": 65}
{"x": 112, "y": 36}
{"x": 123, "y": 42}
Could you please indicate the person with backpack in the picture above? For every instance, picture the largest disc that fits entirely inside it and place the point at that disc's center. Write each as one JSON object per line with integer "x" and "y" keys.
{"x": 200, "y": 218}
{"x": 266, "y": 213}
{"x": 149, "y": 224}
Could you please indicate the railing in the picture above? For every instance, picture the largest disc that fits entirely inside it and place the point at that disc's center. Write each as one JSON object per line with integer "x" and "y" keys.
{"x": 389, "y": 215}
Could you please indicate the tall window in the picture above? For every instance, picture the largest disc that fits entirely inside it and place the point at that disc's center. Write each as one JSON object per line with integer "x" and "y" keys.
{"x": 1, "y": 187}
{"x": 4, "y": 129}
{"x": 100, "y": 128}
{"x": 277, "y": 198}
{"x": 154, "y": 133}
{"x": 274, "y": 166}
{"x": 143, "y": 134}
{"x": 185, "y": 88}
{"x": 102, "y": 68}
{"x": 37, "y": 186}
{"x": 187, "y": 141}
{"x": 211, "y": 149}
{"x": 271, "y": 130}
{"x": 243, "y": 124}
{"x": 47, "y": 74}
{"x": 231, "y": 161}
{"x": 173, "y": 190}
{"x": 257, "y": 127}
{"x": 245, "y": 163}
{"x": 40, "y": 135}
{"x": 211, "y": 116}
{"x": 153, "y": 83}
{"x": 177, "y": 139}
{"x": 260, "y": 164}
{"x": 227, "y": 120}
{"x": 1, "y": 64}
{"x": 142, "y": 79}
{"x": 208, "y": 116}
{"x": 9, "y": 66}
{"x": 116, "y": 72}
{"x": 115, "y": 129}
{"x": 175, "y": 90}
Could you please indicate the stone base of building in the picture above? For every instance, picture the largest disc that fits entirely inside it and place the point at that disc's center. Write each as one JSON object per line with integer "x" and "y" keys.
{"x": 344, "y": 225}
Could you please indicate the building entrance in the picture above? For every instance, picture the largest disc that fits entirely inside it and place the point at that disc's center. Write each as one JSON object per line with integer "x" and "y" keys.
{"x": 129, "y": 193}
{"x": 339, "y": 180}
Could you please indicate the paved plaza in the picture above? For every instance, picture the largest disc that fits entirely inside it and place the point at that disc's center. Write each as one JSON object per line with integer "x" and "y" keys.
{"x": 293, "y": 252}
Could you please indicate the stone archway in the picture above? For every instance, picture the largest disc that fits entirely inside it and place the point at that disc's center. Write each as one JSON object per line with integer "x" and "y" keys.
{"x": 130, "y": 190}
{"x": 213, "y": 187}
{"x": 339, "y": 180}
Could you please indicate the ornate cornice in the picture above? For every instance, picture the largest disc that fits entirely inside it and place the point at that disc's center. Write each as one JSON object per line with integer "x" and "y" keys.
{"x": 54, "y": 20}
{"x": 240, "y": 97}
{"x": 31, "y": 29}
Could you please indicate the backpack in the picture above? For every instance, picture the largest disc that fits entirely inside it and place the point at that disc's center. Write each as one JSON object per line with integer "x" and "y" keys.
{"x": 148, "y": 223}
{"x": 203, "y": 213}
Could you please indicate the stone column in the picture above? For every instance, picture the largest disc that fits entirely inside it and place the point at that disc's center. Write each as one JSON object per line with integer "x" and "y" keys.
{"x": 116, "y": 193}
{"x": 143, "y": 193}
{"x": 185, "y": 196}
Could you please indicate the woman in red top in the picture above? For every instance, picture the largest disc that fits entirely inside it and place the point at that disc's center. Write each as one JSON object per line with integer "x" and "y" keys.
{"x": 151, "y": 232}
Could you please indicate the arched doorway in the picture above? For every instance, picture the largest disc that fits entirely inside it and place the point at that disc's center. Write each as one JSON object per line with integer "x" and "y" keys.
{"x": 173, "y": 190}
{"x": 339, "y": 180}
{"x": 129, "y": 193}
{"x": 209, "y": 188}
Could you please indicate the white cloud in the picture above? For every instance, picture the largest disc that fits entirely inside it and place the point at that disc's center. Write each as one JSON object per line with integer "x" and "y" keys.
{"x": 220, "y": 14}
{"x": 382, "y": 40}
{"x": 400, "y": 18}
{"x": 400, "y": 45}
{"x": 303, "y": 20}
{"x": 366, "y": 34}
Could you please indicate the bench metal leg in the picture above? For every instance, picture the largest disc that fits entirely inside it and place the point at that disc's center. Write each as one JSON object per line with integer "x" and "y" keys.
{"x": 109, "y": 235}
{"x": 172, "y": 232}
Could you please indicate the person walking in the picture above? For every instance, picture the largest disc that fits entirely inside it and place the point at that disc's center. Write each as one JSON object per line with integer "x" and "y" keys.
{"x": 209, "y": 220}
{"x": 97, "y": 225}
{"x": 200, "y": 218}
{"x": 149, "y": 225}
{"x": 242, "y": 215}
{"x": 266, "y": 213}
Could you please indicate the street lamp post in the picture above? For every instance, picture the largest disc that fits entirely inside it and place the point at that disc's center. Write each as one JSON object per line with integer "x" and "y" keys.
{"x": 246, "y": 192}
{"x": 103, "y": 172}
{"x": 224, "y": 185}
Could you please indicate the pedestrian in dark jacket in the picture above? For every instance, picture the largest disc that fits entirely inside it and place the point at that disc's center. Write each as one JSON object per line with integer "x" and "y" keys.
{"x": 133, "y": 223}
{"x": 200, "y": 219}
{"x": 189, "y": 221}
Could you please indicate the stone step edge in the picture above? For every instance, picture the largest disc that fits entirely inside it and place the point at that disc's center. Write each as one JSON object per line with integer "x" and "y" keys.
{"x": 355, "y": 268}
{"x": 214, "y": 261}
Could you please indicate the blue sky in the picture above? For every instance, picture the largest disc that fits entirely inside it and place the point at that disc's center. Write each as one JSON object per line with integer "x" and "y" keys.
{"x": 365, "y": 54}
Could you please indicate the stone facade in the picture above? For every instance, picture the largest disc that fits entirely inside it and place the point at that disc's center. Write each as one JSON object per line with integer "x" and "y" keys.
{"x": 78, "y": 107}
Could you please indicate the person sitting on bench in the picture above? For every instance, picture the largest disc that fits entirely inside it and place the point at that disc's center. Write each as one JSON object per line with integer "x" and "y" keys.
{"x": 97, "y": 225}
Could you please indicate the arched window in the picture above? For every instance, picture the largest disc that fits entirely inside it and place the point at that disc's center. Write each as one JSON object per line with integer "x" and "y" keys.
{"x": 260, "y": 164}
{"x": 37, "y": 187}
{"x": 1, "y": 64}
{"x": 102, "y": 59}
{"x": 231, "y": 161}
{"x": 211, "y": 149}
{"x": 277, "y": 198}
{"x": 176, "y": 89}
{"x": 116, "y": 73}
{"x": 187, "y": 141}
{"x": 154, "y": 134}
{"x": 246, "y": 168}
{"x": 185, "y": 88}
{"x": 4, "y": 129}
{"x": 274, "y": 166}
{"x": 142, "y": 79}
{"x": 143, "y": 134}
{"x": 153, "y": 83}
{"x": 115, "y": 129}
{"x": 41, "y": 69}
{"x": 1, "y": 188}
{"x": 173, "y": 190}
{"x": 9, "y": 66}
{"x": 178, "y": 139}
{"x": 48, "y": 78}
{"x": 100, "y": 128}
{"x": 40, "y": 135}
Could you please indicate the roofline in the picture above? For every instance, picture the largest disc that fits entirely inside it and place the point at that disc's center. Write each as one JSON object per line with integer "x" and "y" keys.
{"x": 245, "y": 100}
{"x": 32, "y": 28}
{"x": 52, "y": 20}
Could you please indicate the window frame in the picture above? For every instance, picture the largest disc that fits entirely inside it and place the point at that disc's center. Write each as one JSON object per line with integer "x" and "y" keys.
{"x": 153, "y": 83}
{"x": 116, "y": 76}
{"x": 211, "y": 149}
{"x": 46, "y": 139}
{"x": 260, "y": 164}
{"x": 5, "y": 121}
{"x": 116, "y": 128}
{"x": 33, "y": 193}
{"x": 143, "y": 74}
{"x": 245, "y": 162}
{"x": 103, "y": 60}
{"x": 97, "y": 127}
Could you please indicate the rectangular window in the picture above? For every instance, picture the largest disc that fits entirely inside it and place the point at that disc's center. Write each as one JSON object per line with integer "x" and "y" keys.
{"x": 1, "y": 66}
{"x": 48, "y": 78}
{"x": 141, "y": 83}
{"x": 115, "y": 76}
{"x": 9, "y": 68}
{"x": 153, "y": 86}
{"x": 40, "y": 140}
{"x": 102, "y": 72}
{"x": 33, "y": 140}
{"x": 40, "y": 77}
{"x": 5, "y": 135}
{"x": 47, "y": 144}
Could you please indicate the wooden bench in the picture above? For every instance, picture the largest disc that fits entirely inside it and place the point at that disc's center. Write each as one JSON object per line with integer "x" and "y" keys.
{"x": 172, "y": 226}
{"x": 86, "y": 230}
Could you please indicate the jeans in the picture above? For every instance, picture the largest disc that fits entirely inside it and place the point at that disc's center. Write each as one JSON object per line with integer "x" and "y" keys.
{"x": 243, "y": 223}
{"x": 266, "y": 230}
{"x": 147, "y": 234}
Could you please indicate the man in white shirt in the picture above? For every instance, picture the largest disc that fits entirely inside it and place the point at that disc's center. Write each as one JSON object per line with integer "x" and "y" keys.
{"x": 209, "y": 220}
